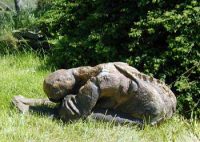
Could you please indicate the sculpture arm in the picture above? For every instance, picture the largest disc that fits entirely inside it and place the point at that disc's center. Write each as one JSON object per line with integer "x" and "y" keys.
{"x": 80, "y": 105}
{"x": 23, "y": 104}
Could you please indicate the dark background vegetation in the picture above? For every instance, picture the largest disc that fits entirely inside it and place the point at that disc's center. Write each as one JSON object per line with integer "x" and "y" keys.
{"x": 158, "y": 37}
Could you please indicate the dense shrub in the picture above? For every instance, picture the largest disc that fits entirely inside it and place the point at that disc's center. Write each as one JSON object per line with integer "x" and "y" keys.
{"x": 10, "y": 21}
{"x": 6, "y": 25}
{"x": 157, "y": 37}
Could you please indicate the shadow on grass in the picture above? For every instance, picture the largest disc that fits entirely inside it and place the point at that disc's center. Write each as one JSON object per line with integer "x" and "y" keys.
{"x": 102, "y": 115}
{"x": 45, "y": 110}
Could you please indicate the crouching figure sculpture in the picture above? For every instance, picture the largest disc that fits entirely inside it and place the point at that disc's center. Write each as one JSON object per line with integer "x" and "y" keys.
{"x": 124, "y": 93}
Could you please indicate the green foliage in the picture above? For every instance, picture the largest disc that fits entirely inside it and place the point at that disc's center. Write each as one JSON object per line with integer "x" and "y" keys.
{"x": 6, "y": 25}
{"x": 8, "y": 44}
{"x": 10, "y": 21}
{"x": 157, "y": 37}
{"x": 6, "y": 20}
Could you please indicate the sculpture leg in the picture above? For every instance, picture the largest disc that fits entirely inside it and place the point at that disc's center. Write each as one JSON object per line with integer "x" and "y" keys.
{"x": 80, "y": 105}
{"x": 115, "y": 116}
{"x": 24, "y": 104}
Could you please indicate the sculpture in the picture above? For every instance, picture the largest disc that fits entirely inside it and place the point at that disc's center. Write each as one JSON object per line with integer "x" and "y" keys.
{"x": 115, "y": 87}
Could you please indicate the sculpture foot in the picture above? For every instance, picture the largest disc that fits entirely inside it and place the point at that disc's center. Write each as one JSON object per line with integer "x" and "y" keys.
{"x": 18, "y": 103}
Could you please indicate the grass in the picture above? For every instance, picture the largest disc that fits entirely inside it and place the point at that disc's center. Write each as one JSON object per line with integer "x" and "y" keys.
{"x": 22, "y": 74}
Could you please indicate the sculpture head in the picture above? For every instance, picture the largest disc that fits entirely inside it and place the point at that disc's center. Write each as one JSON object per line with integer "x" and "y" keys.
{"x": 58, "y": 84}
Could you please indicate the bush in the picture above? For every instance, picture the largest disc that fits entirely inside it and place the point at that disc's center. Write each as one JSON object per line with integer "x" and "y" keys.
{"x": 9, "y": 21}
{"x": 157, "y": 37}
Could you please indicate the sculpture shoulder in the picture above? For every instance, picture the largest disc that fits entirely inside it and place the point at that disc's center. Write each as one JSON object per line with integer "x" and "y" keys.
{"x": 127, "y": 67}
{"x": 110, "y": 67}
{"x": 86, "y": 72}
{"x": 144, "y": 80}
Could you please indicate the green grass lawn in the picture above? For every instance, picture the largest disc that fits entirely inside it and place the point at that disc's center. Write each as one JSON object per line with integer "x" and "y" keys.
{"x": 23, "y": 74}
